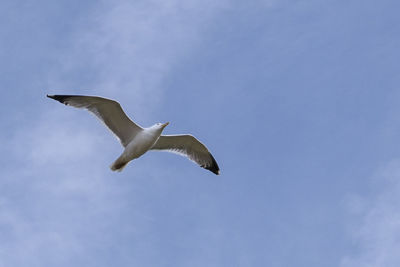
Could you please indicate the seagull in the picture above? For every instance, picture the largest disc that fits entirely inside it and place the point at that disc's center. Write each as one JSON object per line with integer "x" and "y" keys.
{"x": 137, "y": 140}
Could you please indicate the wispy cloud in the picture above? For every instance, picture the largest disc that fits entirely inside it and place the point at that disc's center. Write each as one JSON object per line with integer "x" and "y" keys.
{"x": 377, "y": 233}
{"x": 126, "y": 49}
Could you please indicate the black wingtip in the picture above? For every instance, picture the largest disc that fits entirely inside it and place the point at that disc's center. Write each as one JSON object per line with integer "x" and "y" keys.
{"x": 59, "y": 98}
{"x": 213, "y": 167}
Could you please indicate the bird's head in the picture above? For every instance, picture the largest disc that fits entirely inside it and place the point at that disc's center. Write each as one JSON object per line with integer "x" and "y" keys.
{"x": 161, "y": 125}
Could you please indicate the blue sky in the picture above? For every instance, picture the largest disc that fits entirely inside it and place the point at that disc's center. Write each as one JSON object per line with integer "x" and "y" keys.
{"x": 297, "y": 100}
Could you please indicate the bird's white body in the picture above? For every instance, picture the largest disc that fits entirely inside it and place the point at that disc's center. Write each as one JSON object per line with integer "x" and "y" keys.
{"x": 140, "y": 144}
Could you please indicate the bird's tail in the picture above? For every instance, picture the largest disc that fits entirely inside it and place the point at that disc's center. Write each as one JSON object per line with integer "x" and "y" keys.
{"x": 119, "y": 164}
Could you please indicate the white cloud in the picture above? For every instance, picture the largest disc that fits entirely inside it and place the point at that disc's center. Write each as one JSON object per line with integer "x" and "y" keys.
{"x": 127, "y": 48}
{"x": 377, "y": 233}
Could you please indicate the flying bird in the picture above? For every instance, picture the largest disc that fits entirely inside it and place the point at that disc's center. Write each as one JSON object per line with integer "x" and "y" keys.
{"x": 137, "y": 140}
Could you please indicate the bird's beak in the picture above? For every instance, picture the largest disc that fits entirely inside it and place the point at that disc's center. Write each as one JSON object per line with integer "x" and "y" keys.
{"x": 165, "y": 124}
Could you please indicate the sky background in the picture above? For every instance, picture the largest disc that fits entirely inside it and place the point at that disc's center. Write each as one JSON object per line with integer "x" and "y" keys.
{"x": 297, "y": 100}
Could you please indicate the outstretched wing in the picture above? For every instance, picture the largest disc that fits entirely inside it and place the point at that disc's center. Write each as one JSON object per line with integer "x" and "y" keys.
{"x": 189, "y": 146}
{"x": 107, "y": 110}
